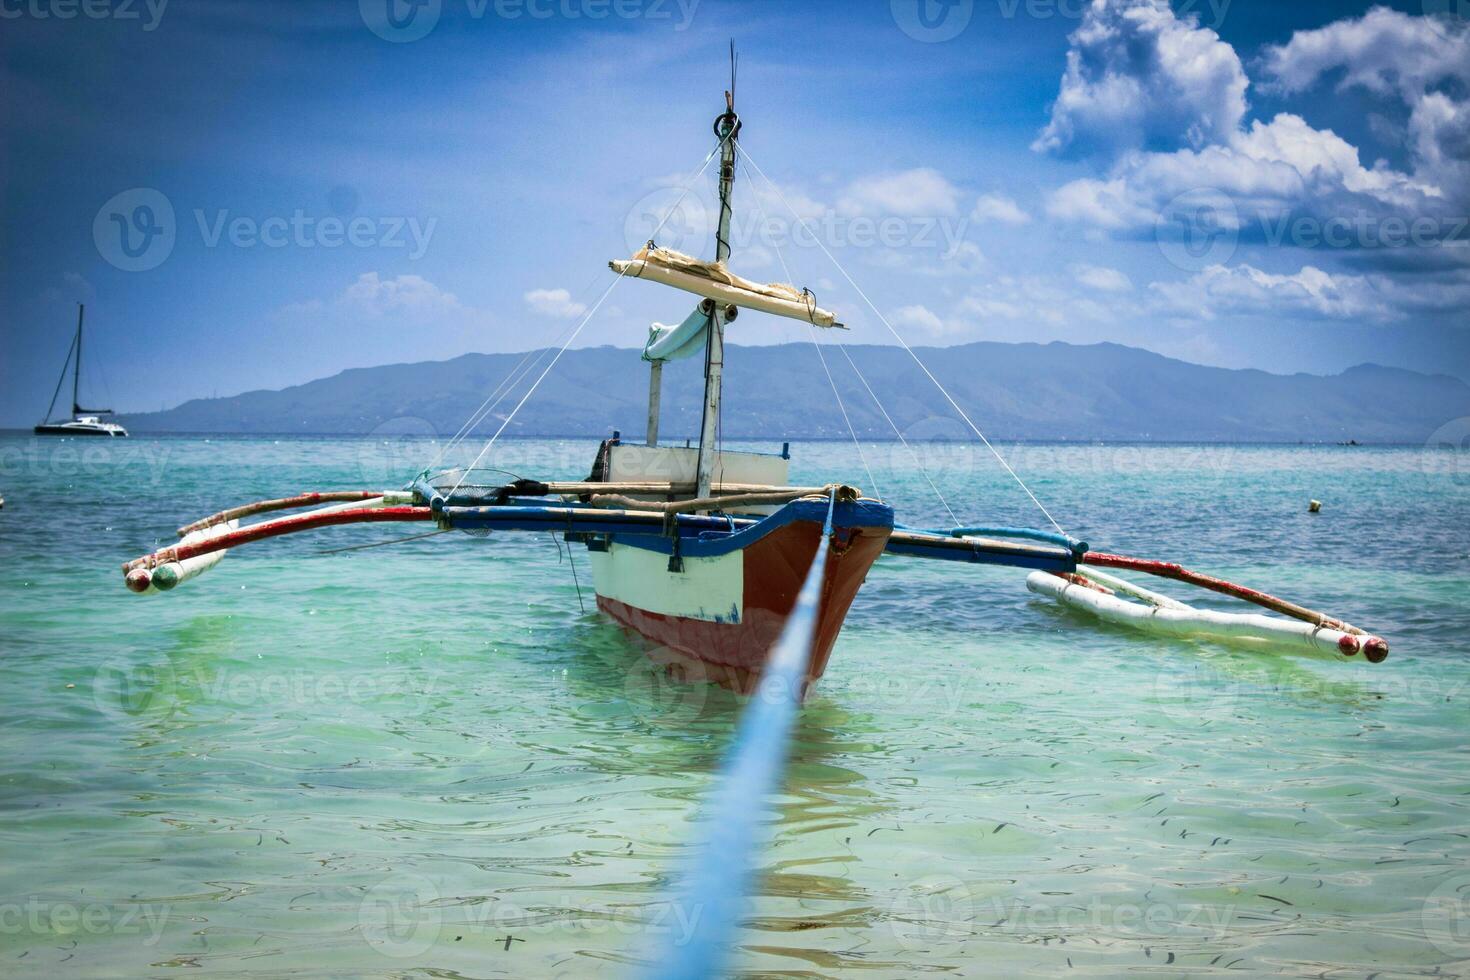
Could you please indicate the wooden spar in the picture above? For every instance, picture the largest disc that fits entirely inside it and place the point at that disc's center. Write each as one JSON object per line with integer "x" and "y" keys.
{"x": 284, "y": 525}
{"x": 284, "y": 503}
{"x": 556, "y": 488}
{"x": 710, "y": 503}
{"x": 714, "y": 361}
{"x": 655, "y": 394}
{"x": 672, "y": 489}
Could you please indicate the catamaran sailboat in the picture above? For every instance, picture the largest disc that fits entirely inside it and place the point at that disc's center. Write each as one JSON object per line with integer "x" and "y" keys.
{"x": 83, "y": 421}
{"x": 709, "y": 555}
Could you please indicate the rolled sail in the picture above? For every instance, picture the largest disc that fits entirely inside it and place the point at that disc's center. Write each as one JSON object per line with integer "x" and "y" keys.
{"x": 713, "y": 281}
{"x": 674, "y": 343}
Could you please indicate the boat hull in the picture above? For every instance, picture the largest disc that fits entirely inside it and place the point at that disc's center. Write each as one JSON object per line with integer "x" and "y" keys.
{"x": 718, "y": 614}
{"x": 113, "y": 432}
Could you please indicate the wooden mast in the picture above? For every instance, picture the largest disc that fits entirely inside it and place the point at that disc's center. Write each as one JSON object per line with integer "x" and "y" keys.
{"x": 655, "y": 393}
{"x": 728, "y": 127}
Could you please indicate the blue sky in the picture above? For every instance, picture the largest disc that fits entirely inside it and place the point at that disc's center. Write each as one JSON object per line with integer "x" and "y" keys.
{"x": 1245, "y": 182}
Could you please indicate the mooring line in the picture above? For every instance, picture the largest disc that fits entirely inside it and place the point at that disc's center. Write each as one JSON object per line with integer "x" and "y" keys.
{"x": 735, "y": 818}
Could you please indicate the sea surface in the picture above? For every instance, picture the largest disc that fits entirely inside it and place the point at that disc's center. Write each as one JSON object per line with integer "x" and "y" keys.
{"x": 434, "y": 758}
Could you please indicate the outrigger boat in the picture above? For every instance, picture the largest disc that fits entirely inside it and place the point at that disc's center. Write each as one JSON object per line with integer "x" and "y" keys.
{"x": 83, "y": 421}
{"x": 704, "y": 553}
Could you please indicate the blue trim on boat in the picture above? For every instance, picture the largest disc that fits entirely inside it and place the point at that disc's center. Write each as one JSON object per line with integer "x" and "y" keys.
{"x": 700, "y": 536}
{"x": 944, "y": 548}
{"x": 1072, "y": 544}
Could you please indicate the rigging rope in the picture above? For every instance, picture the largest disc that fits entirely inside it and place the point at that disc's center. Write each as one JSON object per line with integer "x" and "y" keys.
{"x": 913, "y": 454}
{"x": 843, "y": 408}
{"x": 506, "y": 386}
{"x": 872, "y": 480}
{"x": 898, "y": 432}
{"x": 904, "y": 344}
{"x": 688, "y": 185}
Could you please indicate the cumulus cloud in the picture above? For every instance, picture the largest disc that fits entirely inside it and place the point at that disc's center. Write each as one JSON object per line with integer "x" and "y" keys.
{"x": 1027, "y": 300}
{"x": 921, "y": 192}
{"x": 999, "y": 208}
{"x": 1246, "y": 290}
{"x": 918, "y": 318}
{"x": 1269, "y": 169}
{"x": 1422, "y": 62}
{"x": 554, "y": 303}
{"x": 1102, "y": 278}
{"x": 406, "y": 294}
{"x": 1138, "y": 76}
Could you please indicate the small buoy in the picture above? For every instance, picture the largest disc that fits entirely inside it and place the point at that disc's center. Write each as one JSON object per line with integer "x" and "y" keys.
{"x": 1314, "y": 506}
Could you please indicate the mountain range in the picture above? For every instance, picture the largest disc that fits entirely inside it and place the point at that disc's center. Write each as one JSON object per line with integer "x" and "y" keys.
{"x": 1012, "y": 391}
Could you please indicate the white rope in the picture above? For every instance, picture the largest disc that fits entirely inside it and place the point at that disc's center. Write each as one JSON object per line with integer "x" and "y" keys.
{"x": 898, "y": 432}
{"x": 532, "y": 390}
{"x": 486, "y": 407}
{"x": 585, "y": 320}
{"x": 872, "y": 480}
{"x": 904, "y": 344}
{"x": 506, "y": 386}
{"x": 843, "y": 408}
{"x": 871, "y": 393}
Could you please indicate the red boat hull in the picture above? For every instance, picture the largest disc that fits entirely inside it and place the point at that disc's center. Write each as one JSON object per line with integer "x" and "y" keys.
{"x": 731, "y": 650}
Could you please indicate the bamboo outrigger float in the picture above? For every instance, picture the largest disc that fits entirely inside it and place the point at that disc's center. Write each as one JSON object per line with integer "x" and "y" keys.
{"x": 703, "y": 552}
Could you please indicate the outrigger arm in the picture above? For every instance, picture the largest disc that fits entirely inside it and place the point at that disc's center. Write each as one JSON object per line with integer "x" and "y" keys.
{"x": 1061, "y": 567}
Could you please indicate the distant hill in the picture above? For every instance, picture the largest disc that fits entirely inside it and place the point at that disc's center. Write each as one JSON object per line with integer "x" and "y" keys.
{"x": 1013, "y": 391}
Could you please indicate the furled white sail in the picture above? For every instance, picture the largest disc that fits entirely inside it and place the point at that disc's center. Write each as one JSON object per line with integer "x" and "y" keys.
{"x": 674, "y": 343}
{"x": 713, "y": 281}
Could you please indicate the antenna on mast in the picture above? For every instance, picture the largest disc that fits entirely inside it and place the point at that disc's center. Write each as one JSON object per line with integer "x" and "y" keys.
{"x": 734, "y": 72}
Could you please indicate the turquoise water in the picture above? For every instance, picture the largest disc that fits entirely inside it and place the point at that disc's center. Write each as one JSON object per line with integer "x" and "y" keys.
{"x": 430, "y": 760}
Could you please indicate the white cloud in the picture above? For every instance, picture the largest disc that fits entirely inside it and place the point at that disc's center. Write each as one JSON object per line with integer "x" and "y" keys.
{"x": 918, "y": 318}
{"x": 1101, "y": 278}
{"x": 1269, "y": 169}
{"x": 961, "y": 259}
{"x": 554, "y": 303}
{"x": 1246, "y": 290}
{"x": 998, "y": 207}
{"x": 1028, "y": 300}
{"x": 1423, "y": 62}
{"x": 1137, "y": 76}
{"x": 910, "y": 193}
{"x": 408, "y": 294}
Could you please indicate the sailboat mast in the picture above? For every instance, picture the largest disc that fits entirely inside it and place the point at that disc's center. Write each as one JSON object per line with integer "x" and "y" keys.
{"x": 76, "y": 378}
{"x": 728, "y": 128}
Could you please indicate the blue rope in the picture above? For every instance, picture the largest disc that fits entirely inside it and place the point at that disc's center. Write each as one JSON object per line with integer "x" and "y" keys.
{"x": 736, "y": 818}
